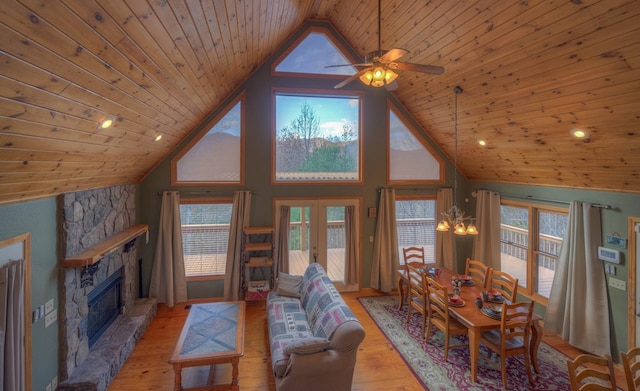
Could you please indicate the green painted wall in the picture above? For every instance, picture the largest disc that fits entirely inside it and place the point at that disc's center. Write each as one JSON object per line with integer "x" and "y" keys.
{"x": 39, "y": 219}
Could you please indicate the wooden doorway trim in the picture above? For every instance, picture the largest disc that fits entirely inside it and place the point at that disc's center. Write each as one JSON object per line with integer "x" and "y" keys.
{"x": 631, "y": 282}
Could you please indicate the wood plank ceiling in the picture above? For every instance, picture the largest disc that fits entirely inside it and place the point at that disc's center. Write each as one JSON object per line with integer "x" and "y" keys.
{"x": 530, "y": 70}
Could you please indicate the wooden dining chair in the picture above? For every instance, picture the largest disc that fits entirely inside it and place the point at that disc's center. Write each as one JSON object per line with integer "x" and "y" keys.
{"x": 417, "y": 294}
{"x": 478, "y": 271}
{"x": 588, "y": 367}
{"x": 512, "y": 338}
{"x": 631, "y": 364}
{"x": 504, "y": 283}
{"x": 438, "y": 315}
{"x": 409, "y": 254}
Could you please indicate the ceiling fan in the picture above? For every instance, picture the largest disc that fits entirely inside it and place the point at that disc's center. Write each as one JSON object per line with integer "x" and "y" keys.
{"x": 380, "y": 65}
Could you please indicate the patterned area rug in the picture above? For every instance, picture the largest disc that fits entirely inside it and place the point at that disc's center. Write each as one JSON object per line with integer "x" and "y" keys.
{"x": 426, "y": 360}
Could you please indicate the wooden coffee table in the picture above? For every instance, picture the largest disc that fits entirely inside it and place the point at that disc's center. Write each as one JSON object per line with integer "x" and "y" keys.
{"x": 213, "y": 334}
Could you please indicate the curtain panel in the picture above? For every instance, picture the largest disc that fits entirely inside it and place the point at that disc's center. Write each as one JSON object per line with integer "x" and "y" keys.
{"x": 12, "y": 353}
{"x": 281, "y": 250}
{"x": 445, "y": 249}
{"x": 578, "y": 308}
{"x": 486, "y": 245}
{"x": 351, "y": 247}
{"x": 168, "y": 281}
{"x": 385, "y": 246}
{"x": 239, "y": 219}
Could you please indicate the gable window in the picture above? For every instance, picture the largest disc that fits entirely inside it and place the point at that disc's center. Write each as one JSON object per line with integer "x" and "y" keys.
{"x": 205, "y": 235}
{"x": 416, "y": 226}
{"x": 317, "y": 137}
{"x": 410, "y": 159}
{"x": 215, "y": 155}
{"x": 313, "y": 52}
{"x": 530, "y": 242}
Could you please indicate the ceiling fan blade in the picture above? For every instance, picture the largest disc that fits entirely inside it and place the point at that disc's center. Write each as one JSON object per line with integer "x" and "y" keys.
{"x": 392, "y": 55}
{"x": 407, "y": 66}
{"x": 349, "y": 65}
{"x": 392, "y": 86}
{"x": 349, "y": 79}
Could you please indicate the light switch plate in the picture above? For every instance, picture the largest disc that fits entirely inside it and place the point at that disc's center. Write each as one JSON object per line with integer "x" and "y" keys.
{"x": 617, "y": 283}
{"x": 48, "y": 306}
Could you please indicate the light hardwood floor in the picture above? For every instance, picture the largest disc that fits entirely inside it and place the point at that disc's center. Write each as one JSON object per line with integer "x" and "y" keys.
{"x": 379, "y": 367}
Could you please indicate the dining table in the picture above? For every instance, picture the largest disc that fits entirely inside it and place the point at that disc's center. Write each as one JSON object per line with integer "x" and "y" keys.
{"x": 477, "y": 321}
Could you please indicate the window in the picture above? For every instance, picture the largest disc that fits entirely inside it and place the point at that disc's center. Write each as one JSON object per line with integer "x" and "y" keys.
{"x": 530, "y": 242}
{"x": 313, "y": 52}
{"x": 410, "y": 158}
{"x": 416, "y": 226}
{"x": 317, "y": 137}
{"x": 205, "y": 235}
{"x": 215, "y": 154}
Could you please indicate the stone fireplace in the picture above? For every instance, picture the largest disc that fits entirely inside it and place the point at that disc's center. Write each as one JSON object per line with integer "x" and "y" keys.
{"x": 89, "y": 361}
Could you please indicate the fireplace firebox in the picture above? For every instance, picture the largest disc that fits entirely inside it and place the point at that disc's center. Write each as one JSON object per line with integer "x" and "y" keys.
{"x": 105, "y": 303}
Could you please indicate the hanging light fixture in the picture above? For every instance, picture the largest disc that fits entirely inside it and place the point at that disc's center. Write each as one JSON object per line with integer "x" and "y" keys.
{"x": 455, "y": 217}
{"x": 378, "y": 76}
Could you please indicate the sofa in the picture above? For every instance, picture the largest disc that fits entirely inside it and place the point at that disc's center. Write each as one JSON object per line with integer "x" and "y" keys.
{"x": 313, "y": 335}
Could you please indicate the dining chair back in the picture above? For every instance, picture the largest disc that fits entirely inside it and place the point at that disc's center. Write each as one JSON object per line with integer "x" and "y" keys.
{"x": 504, "y": 283}
{"x": 589, "y": 372}
{"x": 513, "y": 336}
{"x": 409, "y": 255}
{"x": 478, "y": 271}
{"x": 413, "y": 254}
{"x": 631, "y": 364}
{"x": 438, "y": 315}
{"x": 417, "y": 299}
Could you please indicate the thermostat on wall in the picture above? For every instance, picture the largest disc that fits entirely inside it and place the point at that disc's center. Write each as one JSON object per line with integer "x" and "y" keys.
{"x": 608, "y": 255}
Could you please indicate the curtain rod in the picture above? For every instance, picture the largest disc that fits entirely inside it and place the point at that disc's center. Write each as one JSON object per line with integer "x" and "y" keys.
{"x": 529, "y": 197}
{"x": 402, "y": 189}
{"x": 200, "y": 192}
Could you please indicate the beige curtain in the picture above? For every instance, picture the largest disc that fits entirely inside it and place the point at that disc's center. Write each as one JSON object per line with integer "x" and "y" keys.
{"x": 578, "y": 309}
{"x": 385, "y": 245}
{"x": 486, "y": 245}
{"x": 168, "y": 282}
{"x": 12, "y": 369}
{"x": 239, "y": 219}
{"x": 281, "y": 251}
{"x": 351, "y": 246}
{"x": 445, "y": 249}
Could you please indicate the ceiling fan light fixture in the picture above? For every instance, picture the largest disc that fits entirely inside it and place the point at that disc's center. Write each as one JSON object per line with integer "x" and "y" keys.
{"x": 378, "y": 76}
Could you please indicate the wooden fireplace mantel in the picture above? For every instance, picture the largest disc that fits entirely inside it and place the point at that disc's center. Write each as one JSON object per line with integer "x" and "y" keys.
{"x": 96, "y": 253}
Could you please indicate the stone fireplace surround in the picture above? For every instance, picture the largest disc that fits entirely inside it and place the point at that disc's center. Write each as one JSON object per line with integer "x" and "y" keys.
{"x": 85, "y": 219}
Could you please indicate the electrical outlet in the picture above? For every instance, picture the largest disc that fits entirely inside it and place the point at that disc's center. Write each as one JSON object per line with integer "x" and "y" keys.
{"x": 50, "y": 318}
{"x": 618, "y": 284}
{"x": 48, "y": 306}
{"x": 54, "y": 383}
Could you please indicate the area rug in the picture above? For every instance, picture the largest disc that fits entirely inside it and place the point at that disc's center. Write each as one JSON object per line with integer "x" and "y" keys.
{"x": 426, "y": 360}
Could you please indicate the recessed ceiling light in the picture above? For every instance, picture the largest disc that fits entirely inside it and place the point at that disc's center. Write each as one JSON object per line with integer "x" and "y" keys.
{"x": 482, "y": 142}
{"x": 106, "y": 122}
{"x": 579, "y": 133}
{"x": 158, "y": 137}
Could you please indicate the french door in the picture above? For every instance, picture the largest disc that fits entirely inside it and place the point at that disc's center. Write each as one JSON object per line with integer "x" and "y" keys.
{"x": 318, "y": 233}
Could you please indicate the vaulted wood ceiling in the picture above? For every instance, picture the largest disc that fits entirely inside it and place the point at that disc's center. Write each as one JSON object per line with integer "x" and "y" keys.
{"x": 530, "y": 70}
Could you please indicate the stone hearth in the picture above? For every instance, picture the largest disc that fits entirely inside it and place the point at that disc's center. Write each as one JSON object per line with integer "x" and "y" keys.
{"x": 85, "y": 219}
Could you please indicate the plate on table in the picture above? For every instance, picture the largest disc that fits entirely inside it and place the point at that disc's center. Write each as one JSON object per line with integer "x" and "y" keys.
{"x": 491, "y": 313}
{"x": 456, "y": 303}
{"x": 468, "y": 282}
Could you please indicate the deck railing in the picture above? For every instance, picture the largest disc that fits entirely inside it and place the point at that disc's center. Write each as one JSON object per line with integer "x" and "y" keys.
{"x": 514, "y": 242}
{"x": 205, "y": 239}
{"x": 411, "y": 232}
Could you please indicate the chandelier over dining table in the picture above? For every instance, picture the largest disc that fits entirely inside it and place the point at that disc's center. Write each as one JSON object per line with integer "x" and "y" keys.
{"x": 455, "y": 217}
